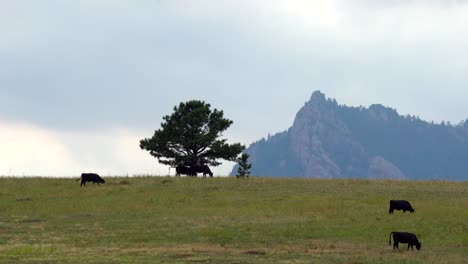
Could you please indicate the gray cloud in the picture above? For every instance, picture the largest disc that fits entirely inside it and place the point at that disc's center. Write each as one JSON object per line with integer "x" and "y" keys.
{"x": 98, "y": 64}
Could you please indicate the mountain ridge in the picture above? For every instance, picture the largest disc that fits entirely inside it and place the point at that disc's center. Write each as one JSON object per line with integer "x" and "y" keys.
{"x": 328, "y": 140}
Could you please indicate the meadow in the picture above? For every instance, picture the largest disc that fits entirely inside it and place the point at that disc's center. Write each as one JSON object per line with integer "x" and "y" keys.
{"x": 228, "y": 220}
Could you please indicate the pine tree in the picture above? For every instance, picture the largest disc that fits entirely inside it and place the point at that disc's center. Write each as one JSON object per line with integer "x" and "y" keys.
{"x": 244, "y": 166}
{"x": 191, "y": 136}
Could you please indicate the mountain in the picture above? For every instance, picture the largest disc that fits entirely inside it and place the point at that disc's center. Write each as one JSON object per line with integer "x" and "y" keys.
{"x": 328, "y": 140}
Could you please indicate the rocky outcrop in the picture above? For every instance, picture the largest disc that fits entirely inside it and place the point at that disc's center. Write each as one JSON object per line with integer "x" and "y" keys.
{"x": 316, "y": 130}
{"x": 381, "y": 168}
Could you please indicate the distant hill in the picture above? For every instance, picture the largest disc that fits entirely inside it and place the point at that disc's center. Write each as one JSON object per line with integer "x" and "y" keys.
{"x": 328, "y": 140}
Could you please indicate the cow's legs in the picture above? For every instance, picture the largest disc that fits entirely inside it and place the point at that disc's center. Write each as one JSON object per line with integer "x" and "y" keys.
{"x": 395, "y": 245}
{"x": 390, "y": 211}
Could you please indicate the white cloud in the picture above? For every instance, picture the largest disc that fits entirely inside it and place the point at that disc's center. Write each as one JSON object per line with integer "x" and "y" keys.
{"x": 34, "y": 151}
{"x": 27, "y": 150}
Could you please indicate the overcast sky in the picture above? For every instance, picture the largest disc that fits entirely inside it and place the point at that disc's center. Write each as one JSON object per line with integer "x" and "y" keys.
{"x": 81, "y": 82}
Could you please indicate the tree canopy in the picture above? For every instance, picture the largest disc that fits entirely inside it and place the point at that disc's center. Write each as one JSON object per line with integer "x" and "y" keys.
{"x": 191, "y": 136}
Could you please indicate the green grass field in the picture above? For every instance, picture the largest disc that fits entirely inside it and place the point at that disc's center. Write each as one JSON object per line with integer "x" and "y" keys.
{"x": 228, "y": 220}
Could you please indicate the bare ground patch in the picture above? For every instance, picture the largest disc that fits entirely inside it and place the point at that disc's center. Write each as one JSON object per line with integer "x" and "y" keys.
{"x": 78, "y": 217}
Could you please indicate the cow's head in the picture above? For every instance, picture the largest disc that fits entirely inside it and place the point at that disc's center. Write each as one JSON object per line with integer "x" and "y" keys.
{"x": 418, "y": 246}
{"x": 412, "y": 210}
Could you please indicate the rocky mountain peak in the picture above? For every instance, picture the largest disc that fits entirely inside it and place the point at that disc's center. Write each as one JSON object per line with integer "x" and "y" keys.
{"x": 317, "y": 108}
{"x": 318, "y": 96}
{"x": 317, "y": 100}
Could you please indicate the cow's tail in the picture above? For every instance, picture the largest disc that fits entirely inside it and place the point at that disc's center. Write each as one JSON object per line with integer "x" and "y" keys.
{"x": 390, "y": 239}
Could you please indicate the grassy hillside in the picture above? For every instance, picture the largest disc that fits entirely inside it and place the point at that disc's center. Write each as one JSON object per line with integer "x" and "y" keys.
{"x": 219, "y": 220}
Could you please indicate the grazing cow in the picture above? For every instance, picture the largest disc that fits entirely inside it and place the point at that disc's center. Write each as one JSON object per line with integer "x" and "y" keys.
{"x": 202, "y": 169}
{"x": 400, "y": 205}
{"x": 90, "y": 177}
{"x": 184, "y": 170}
{"x": 404, "y": 238}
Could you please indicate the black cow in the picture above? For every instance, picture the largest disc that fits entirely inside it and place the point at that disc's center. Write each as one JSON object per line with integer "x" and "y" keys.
{"x": 90, "y": 177}
{"x": 400, "y": 205}
{"x": 404, "y": 238}
{"x": 202, "y": 169}
{"x": 184, "y": 170}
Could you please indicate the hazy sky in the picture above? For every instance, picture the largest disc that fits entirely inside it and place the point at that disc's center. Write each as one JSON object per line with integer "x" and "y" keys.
{"x": 81, "y": 82}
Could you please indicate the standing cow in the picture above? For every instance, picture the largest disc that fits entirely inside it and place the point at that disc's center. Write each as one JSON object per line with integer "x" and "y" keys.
{"x": 184, "y": 170}
{"x": 90, "y": 177}
{"x": 202, "y": 169}
{"x": 400, "y": 205}
{"x": 404, "y": 238}
{"x": 193, "y": 170}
